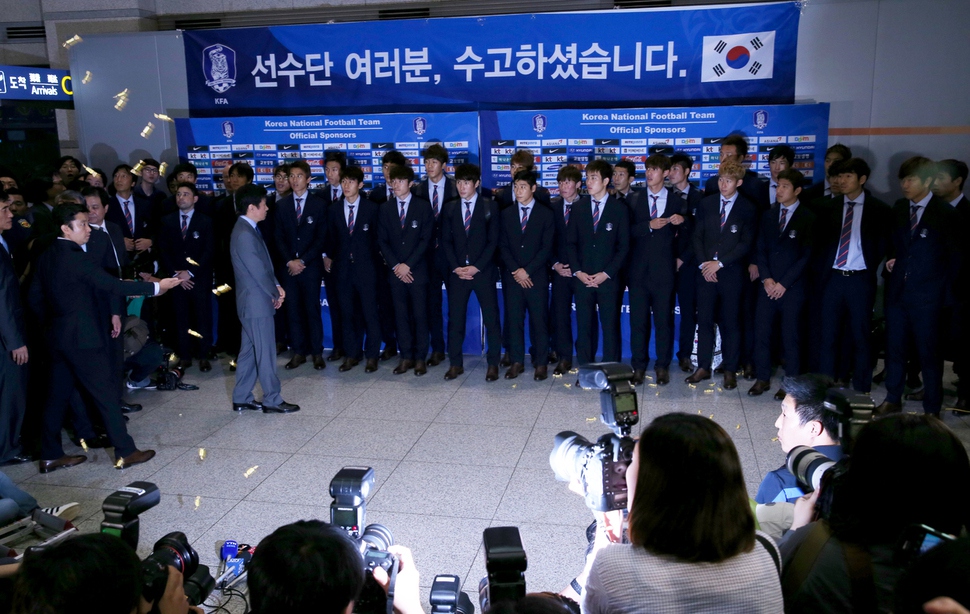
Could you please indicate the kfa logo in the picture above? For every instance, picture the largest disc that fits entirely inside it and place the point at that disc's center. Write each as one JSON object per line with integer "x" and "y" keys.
{"x": 760, "y": 119}
{"x": 738, "y": 57}
{"x": 219, "y": 66}
{"x": 420, "y": 125}
{"x": 540, "y": 123}
{"x": 228, "y": 129}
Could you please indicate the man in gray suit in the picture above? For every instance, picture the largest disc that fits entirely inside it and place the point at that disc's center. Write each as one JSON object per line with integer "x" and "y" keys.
{"x": 258, "y": 296}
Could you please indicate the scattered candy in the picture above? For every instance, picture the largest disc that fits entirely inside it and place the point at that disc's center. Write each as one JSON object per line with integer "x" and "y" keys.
{"x": 251, "y": 471}
{"x": 201, "y": 453}
{"x": 72, "y": 41}
{"x": 568, "y": 385}
{"x": 737, "y": 428}
{"x": 147, "y": 130}
{"x": 84, "y": 445}
{"x": 198, "y": 502}
{"x": 222, "y": 289}
{"x": 774, "y": 439}
{"x": 120, "y": 463}
{"x": 164, "y": 118}
{"x": 163, "y": 168}
{"x": 138, "y": 167}
{"x": 190, "y": 261}
{"x": 87, "y": 77}
{"x": 195, "y": 334}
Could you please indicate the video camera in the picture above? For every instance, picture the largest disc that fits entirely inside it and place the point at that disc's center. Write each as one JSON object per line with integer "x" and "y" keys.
{"x": 121, "y": 510}
{"x": 601, "y": 467}
{"x": 349, "y": 489}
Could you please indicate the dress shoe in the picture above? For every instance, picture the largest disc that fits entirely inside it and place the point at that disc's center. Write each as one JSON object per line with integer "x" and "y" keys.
{"x": 135, "y": 458}
{"x": 663, "y": 376}
{"x": 719, "y": 370}
{"x": 185, "y": 363}
{"x": 553, "y": 358}
{"x": 371, "y": 365}
{"x": 205, "y": 366}
{"x": 514, "y": 371}
{"x": 886, "y": 408}
{"x": 420, "y": 368}
{"x": 563, "y": 368}
{"x": 19, "y": 459}
{"x": 760, "y": 387}
{"x": 780, "y": 395}
{"x": 255, "y": 406}
{"x": 749, "y": 372}
{"x": 46, "y": 466}
{"x": 685, "y": 365}
{"x": 491, "y": 375}
{"x": 296, "y": 361}
{"x": 506, "y": 360}
{"x": 541, "y": 374}
{"x": 348, "y": 364}
{"x": 698, "y": 376}
{"x": 454, "y": 372}
{"x": 730, "y": 380}
{"x": 436, "y": 359}
{"x": 403, "y": 367}
{"x": 282, "y": 408}
{"x": 280, "y": 348}
{"x": 638, "y": 376}
{"x": 335, "y": 355}
{"x": 915, "y": 396}
{"x": 129, "y": 408}
{"x": 388, "y": 354}
{"x": 319, "y": 363}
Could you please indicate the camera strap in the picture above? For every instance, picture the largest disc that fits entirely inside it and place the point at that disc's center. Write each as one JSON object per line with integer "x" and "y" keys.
{"x": 857, "y": 561}
{"x": 769, "y": 545}
{"x": 392, "y": 580}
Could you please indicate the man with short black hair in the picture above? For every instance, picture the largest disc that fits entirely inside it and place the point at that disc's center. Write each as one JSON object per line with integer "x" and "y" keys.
{"x": 681, "y": 166}
{"x": 381, "y": 194}
{"x": 334, "y": 163}
{"x": 823, "y": 189}
{"x": 133, "y": 213}
{"x": 624, "y": 173}
{"x": 147, "y": 185}
{"x": 13, "y": 347}
{"x": 570, "y": 179}
{"x": 780, "y": 158}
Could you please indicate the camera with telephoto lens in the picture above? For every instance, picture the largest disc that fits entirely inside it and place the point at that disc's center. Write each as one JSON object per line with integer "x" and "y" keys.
{"x": 854, "y": 410}
{"x": 600, "y": 467}
{"x": 348, "y": 511}
{"x": 808, "y": 465}
{"x": 505, "y": 562}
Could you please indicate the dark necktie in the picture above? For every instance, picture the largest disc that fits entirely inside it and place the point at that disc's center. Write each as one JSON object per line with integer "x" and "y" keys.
{"x": 185, "y": 225}
{"x": 129, "y": 219}
{"x": 566, "y": 211}
{"x": 913, "y": 218}
{"x": 846, "y": 237}
{"x": 403, "y": 213}
{"x": 783, "y": 220}
{"x": 299, "y": 210}
{"x": 525, "y": 218}
{"x": 468, "y": 216}
{"x": 334, "y": 197}
{"x": 434, "y": 202}
{"x": 653, "y": 206}
{"x": 350, "y": 221}
{"x": 724, "y": 204}
{"x": 596, "y": 215}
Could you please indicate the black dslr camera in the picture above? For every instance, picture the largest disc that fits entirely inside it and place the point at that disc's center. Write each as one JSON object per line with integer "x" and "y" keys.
{"x": 505, "y": 562}
{"x": 121, "y": 510}
{"x": 601, "y": 467}
{"x": 349, "y": 489}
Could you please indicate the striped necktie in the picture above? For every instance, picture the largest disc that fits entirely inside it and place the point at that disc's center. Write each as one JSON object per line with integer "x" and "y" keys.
{"x": 403, "y": 214}
{"x": 299, "y": 210}
{"x": 913, "y": 219}
{"x": 724, "y": 204}
{"x": 350, "y": 220}
{"x": 129, "y": 219}
{"x": 525, "y": 218}
{"x": 783, "y": 220}
{"x": 434, "y": 202}
{"x": 185, "y": 225}
{"x": 468, "y": 216}
{"x": 596, "y": 214}
{"x": 846, "y": 237}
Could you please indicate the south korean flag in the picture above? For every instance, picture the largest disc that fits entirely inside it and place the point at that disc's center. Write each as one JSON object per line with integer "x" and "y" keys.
{"x": 738, "y": 57}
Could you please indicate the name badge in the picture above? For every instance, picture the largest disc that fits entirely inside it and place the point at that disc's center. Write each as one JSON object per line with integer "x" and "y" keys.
{"x": 414, "y": 223}
{"x": 366, "y": 227}
{"x": 734, "y": 228}
{"x": 609, "y": 227}
{"x": 792, "y": 234}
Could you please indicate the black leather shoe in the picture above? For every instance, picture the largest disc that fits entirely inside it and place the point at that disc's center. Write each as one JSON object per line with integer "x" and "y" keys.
{"x": 420, "y": 368}
{"x": 515, "y": 370}
{"x": 886, "y": 408}
{"x": 697, "y": 376}
{"x": 280, "y": 348}
{"x": 205, "y": 366}
{"x": 255, "y": 406}
{"x": 730, "y": 380}
{"x": 371, "y": 365}
{"x": 780, "y": 395}
{"x": 335, "y": 355}
{"x": 760, "y": 387}
{"x": 135, "y": 458}
{"x": 296, "y": 361}
{"x": 553, "y": 358}
{"x": 403, "y": 367}
{"x": 129, "y": 408}
{"x": 388, "y": 354}
{"x": 454, "y": 372}
{"x": 685, "y": 365}
{"x": 663, "y": 376}
{"x": 282, "y": 408}
{"x": 319, "y": 363}
{"x": 436, "y": 359}
{"x": 749, "y": 372}
{"x": 46, "y": 466}
{"x": 638, "y": 376}
{"x": 915, "y": 396}
{"x": 719, "y": 370}
{"x": 563, "y": 367}
{"x": 506, "y": 360}
{"x": 185, "y": 363}
{"x": 18, "y": 460}
{"x": 491, "y": 375}
{"x": 542, "y": 373}
{"x": 348, "y": 364}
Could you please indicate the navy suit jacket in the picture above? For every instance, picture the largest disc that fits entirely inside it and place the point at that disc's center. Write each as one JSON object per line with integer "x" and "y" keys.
{"x": 783, "y": 256}
{"x": 531, "y": 250}
{"x": 478, "y": 247}
{"x": 876, "y": 231}
{"x": 507, "y": 198}
{"x": 303, "y": 240}
{"x": 560, "y": 251}
{"x": 144, "y": 219}
{"x": 753, "y": 187}
{"x": 686, "y": 236}
{"x": 354, "y": 255}
{"x": 653, "y": 254}
{"x": 606, "y": 249}
{"x": 198, "y": 245}
{"x": 927, "y": 260}
{"x": 12, "y": 316}
{"x": 409, "y": 244}
{"x": 378, "y": 194}
{"x": 734, "y": 243}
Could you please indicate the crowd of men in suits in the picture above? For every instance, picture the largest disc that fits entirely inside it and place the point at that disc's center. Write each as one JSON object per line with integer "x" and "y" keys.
{"x": 783, "y": 272}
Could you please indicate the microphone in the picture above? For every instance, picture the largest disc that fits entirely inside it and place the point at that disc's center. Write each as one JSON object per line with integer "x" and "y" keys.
{"x": 235, "y": 567}
{"x": 229, "y": 549}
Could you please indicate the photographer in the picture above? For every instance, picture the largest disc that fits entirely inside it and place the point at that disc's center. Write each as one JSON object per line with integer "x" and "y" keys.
{"x": 804, "y": 421}
{"x": 904, "y": 470}
{"x": 694, "y": 547}
{"x": 313, "y": 567}
{"x": 90, "y": 573}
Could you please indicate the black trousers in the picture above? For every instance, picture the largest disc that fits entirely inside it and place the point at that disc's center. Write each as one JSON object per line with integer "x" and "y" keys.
{"x": 436, "y": 319}
{"x": 789, "y": 310}
{"x": 604, "y": 299}
{"x": 849, "y": 300}
{"x": 193, "y": 309}
{"x": 459, "y": 291}
{"x": 358, "y": 297}
{"x": 84, "y": 369}
{"x": 535, "y": 300}
{"x": 724, "y": 297}
{"x": 336, "y": 318}
{"x": 687, "y": 302}
{"x": 303, "y": 311}
{"x": 561, "y": 316}
{"x": 13, "y": 405}
{"x": 411, "y": 316}
{"x": 657, "y": 298}
{"x": 914, "y": 324}
{"x": 749, "y": 306}
{"x": 385, "y": 307}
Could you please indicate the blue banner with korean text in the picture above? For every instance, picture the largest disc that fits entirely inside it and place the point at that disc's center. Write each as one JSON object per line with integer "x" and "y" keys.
{"x": 732, "y": 54}
{"x": 560, "y": 137}
{"x": 214, "y": 144}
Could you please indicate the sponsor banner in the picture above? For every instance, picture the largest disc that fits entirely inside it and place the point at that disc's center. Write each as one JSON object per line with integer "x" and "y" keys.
{"x": 635, "y": 134}
{"x": 731, "y": 54}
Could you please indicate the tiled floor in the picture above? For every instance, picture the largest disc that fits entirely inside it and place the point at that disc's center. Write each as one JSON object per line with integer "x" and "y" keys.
{"x": 451, "y": 458}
